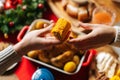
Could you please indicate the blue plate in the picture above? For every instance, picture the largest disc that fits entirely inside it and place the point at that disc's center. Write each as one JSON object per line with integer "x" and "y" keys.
{"x": 42, "y": 74}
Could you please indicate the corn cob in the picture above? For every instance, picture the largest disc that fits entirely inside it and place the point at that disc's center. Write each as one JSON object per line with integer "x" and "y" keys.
{"x": 117, "y": 76}
{"x": 61, "y": 29}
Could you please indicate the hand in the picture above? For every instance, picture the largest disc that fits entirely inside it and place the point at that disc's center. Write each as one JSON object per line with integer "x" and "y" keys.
{"x": 100, "y": 35}
{"x": 37, "y": 39}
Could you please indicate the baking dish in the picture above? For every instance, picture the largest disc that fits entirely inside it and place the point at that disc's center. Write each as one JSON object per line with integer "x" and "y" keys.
{"x": 84, "y": 61}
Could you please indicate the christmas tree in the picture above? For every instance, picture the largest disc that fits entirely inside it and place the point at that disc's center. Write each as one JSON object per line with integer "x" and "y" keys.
{"x": 17, "y": 16}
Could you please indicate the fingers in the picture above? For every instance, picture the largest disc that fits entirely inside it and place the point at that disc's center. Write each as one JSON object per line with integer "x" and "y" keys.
{"x": 45, "y": 30}
{"x": 48, "y": 41}
{"x": 51, "y": 21}
{"x": 84, "y": 38}
{"x": 87, "y": 26}
{"x": 82, "y": 41}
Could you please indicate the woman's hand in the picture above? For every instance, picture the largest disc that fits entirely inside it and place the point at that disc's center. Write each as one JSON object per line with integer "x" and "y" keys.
{"x": 37, "y": 39}
{"x": 100, "y": 35}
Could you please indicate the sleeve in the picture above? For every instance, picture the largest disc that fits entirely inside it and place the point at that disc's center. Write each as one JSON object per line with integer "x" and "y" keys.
{"x": 7, "y": 58}
{"x": 116, "y": 1}
{"x": 116, "y": 41}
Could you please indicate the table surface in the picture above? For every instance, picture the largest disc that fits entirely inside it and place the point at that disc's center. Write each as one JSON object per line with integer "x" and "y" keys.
{"x": 10, "y": 77}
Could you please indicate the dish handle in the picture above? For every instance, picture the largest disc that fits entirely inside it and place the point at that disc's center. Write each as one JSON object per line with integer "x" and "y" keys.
{"x": 22, "y": 33}
{"x": 90, "y": 54}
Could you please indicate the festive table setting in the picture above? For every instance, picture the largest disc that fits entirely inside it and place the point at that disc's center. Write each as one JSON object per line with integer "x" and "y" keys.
{"x": 17, "y": 17}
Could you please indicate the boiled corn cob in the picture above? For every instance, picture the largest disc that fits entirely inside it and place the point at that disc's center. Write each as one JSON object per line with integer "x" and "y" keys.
{"x": 117, "y": 76}
{"x": 61, "y": 29}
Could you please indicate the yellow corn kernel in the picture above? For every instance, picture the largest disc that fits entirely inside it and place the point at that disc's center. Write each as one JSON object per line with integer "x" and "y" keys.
{"x": 115, "y": 78}
{"x": 61, "y": 29}
{"x": 118, "y": 73}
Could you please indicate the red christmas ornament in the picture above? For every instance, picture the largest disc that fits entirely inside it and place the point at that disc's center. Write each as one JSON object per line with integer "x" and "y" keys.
{"x": 7, "y": 4}
{"x": 11, "y": 3}
{"x": 20, "y": 1}
{"x": 40, "y": 6}
{"x": 11, "y": 24}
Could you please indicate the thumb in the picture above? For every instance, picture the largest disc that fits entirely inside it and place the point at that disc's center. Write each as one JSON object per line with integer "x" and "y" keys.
{"x": 47, "y": 28}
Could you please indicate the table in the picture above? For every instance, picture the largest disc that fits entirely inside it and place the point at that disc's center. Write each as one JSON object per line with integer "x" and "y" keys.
{"x": 9, "y": 77}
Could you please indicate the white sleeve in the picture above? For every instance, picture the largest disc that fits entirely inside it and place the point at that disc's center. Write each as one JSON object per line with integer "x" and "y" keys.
{"x": 116, "y": 1}
{"x": 117, "y": 37}
{"x": 7, "y": 58}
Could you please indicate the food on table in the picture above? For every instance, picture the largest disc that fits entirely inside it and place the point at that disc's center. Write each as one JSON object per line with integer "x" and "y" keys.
{"x": 60, "y": 60}
{"x": 61, "y": 29}
{"x": 57, "y": 50}
{"x": 43, "y": 56}
{"x": 76, "y": 59}
{"x": 83, "y": 14}
{"x": 88, "y": 11}
{"x": 70, "y": 66}
{"x": 116, "y": 76}
{"x": 106, "y": 63}
{"x": 60, "y": 54}
{"x": 72, "y": 10}
{"x": 80, "y": 10}
{"x": 57, "y": 55}
{"x": 3, "y": 45}
{"x": 103, "y": 16}
{"x": 33, "y": 54}
{"x": 73, "y": 35}
{"x": 118, "y": 73}
{"x": 39, "y": 25}
{"x": 94, "y": 74}
{"x": 102, "y": 76}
